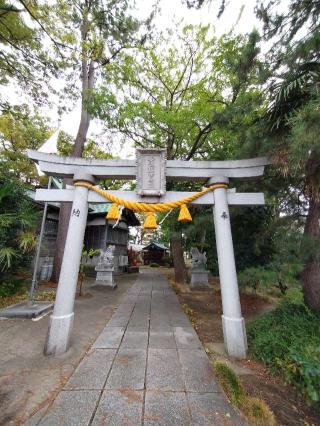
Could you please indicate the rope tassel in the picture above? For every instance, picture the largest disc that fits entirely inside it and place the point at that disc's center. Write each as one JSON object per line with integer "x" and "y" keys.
{"x": 150, "y": 222}
{"x": 113, "y": 213}
{"x": 184, "y": 215}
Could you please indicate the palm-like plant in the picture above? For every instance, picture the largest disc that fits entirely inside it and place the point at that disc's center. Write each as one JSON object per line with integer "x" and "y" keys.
{"x": 17, "y": 223}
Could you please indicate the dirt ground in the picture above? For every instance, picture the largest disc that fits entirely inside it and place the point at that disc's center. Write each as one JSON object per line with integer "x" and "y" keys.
{"x": 288, "y": 408}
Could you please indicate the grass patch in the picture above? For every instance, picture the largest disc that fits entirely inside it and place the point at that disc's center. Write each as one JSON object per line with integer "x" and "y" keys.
{"x": 255, "y": 409}
{"x": 288, "y": 341}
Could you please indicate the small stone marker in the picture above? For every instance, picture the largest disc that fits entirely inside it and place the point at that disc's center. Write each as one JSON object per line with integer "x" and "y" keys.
{"x": 105, "y": 268}
{"x": 199, "y": 274}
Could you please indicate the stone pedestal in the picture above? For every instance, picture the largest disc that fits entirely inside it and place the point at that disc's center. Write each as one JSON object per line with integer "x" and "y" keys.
{"x": 105, "y": 276}
{"x": 199, "y": 279}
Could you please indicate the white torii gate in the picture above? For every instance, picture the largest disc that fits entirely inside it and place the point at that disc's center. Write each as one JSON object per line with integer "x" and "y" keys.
{"x": 151, "y": 169}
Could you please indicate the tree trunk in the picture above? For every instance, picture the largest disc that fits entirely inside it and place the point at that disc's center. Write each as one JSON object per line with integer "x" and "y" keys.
{"x": 180, "y": 270}
{"x": 311, "y": 272}
{"x": 87, "y": 76}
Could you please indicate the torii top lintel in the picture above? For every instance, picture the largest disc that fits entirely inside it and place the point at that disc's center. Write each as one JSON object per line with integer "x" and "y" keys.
{"x": 55, "y": 165}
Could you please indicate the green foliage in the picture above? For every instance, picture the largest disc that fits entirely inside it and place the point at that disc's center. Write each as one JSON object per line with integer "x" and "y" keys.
{"x": 288, "y": 130}
{"x": 283, "y": 267}
{"x": 17, "y": 224}
{"x": 24, "y": 58}
{"x": 20, "y": 129}
{"x": 251, "y": 230}
{"x": 288, "y": 341}
{"x": 92, "y": 148}
{"x": 84, "y": 258}
{"x": 251, "y": 277}
{"x": 154, "y": 265}
{"x": 188, "y": 91}
{"x": 304, "y": 134}
{"x": 11, "y": 287}
{"x": 253, "y": 235}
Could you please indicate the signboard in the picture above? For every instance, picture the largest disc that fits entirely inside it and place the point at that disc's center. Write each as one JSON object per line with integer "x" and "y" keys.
{"x": 151, "y": 172}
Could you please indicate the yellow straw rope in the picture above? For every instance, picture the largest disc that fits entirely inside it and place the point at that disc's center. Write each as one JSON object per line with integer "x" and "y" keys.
{"x": 149, "y": 207}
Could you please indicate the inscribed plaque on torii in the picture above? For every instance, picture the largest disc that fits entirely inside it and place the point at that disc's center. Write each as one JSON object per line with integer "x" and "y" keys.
{"x": 151, "y": 177}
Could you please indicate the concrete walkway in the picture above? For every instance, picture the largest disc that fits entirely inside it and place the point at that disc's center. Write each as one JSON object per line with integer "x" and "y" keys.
{"x": 146, "y": 367}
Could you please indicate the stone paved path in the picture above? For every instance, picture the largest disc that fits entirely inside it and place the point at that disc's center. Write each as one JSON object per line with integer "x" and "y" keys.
{"x": 147, "y": 367}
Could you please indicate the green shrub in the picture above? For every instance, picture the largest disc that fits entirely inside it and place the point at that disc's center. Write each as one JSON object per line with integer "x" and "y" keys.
{"x": 10, "y": 287}
{"x": 288, "y": 341}
{"x": 272, "y": 275}
{"x": 18, "y": 220}
{"x": 154, "y": 265}
{"x": 251, "y": 277}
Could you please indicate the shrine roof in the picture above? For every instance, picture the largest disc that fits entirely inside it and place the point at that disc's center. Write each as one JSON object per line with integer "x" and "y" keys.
{"x": 155, "y": 244}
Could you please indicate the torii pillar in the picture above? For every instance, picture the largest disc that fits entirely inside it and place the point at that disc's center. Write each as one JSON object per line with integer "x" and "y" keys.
{"x": 234, "y": 330}
{"x": 61, "y": 321}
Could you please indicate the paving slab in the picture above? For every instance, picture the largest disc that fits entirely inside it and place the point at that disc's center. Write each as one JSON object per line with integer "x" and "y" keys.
{"x": 179, "y": 320}
{"x": 164, "y": 370}
{"x": 125, "y": 307}
{"x": 197, "y": 371}
{"x": 71, "y": 408}
{"x": 166, "y": 408}
{"x": 186, "y": 338}
{"x": 135, "y": 338}
{"x": 119, "y": 408}
{"x": 209, "y": 409}
{"x": 110, "y": 338}
{"x": 139, "y": 321}
{"x": 162, "y": 340}
{"x": 128, "y": 371}
{"x": 119, "y": 321}
{"x": 163, "y": 326}
{"x": 93, "y": 370}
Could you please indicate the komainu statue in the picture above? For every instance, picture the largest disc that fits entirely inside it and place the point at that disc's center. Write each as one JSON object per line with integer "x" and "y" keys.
{"x": 199, "y": 273}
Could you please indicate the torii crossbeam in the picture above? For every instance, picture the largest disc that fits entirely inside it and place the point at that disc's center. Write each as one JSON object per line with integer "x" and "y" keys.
{"x": 151, "y": 170}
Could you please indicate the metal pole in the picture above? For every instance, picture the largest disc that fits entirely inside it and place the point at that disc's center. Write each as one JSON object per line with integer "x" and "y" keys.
{"x": 36, "y": 262}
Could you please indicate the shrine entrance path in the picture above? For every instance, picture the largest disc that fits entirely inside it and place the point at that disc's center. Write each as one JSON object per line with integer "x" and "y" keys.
{"x": 147, "y": 367}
